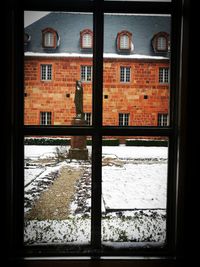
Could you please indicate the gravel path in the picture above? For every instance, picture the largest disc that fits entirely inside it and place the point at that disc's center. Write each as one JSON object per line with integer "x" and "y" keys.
{"x": 53, "y": 203}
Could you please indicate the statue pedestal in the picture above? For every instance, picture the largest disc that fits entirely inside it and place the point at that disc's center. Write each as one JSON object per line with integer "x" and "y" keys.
{"x": 78, "y": 148}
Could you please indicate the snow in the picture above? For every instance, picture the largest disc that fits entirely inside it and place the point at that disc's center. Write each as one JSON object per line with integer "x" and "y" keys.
{"x": 135, "y": 152}
{"x": 134, "y": 186}
{"x": 82, "y": 55}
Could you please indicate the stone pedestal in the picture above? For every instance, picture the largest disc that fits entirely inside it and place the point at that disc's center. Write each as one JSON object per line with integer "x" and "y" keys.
{"x": 78, "y": 148}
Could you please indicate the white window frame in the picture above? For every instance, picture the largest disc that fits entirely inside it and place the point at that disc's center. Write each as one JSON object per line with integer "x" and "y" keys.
{"x": 46, "y": 72}
{"x": 87, "y": 40}
{"x": 86, "y": 73}
{"x": 164, "y": 75}
{"x": 124, "y": 41}
{"x": 125, "y": 74}
{"x": 162, "y": 43}
{"x": 49, "y": 39}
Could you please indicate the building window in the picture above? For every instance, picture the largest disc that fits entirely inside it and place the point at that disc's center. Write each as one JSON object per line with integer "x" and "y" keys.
{"x": 45, "y": 118}
{"x": 27, "y": 39}
{"x": 86, "y": 73}
{"x": 163, "y": 75}
{"x": 123, "y": 119}
{"x": 161, "y": 42}
{"x": 174, "y": 192}
{"x": 88, "y": 118}
{"x": 163, "y": 119}
{"x": 50, "y": 38}
{"x": 124, "y": 42}
{"x": 86, "y": 39}
{"x": 46, "y": 72}
{"x": 125, "y": 74}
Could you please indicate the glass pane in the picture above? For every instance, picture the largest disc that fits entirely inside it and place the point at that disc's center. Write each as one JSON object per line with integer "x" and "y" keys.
{"x": 56, "y": 57}
{"x": 57, "y": 190}
{"x": 136, "y": 76}
{"x": 134, "y": 191}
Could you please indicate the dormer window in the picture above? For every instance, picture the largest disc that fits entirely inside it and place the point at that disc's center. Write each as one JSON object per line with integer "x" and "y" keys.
{"x": 86, "y": 39}
{"x": 50, "y": 38}
{"x": 161, "y": 42}
{"x": 27, "y": 38}
{"x": 124, "y": 42}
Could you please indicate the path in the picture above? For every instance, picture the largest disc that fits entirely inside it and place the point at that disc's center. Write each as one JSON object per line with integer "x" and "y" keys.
{"x": 53, "y": 203}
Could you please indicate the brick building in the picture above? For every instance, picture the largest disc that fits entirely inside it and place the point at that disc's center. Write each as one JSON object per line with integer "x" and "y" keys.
{"x": 58, "y": 52}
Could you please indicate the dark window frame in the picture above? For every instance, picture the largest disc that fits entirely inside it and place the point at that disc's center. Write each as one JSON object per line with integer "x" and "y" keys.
{"x": 124, "y": 119}
{"x": 15, "y": 219}
{"x": 45, "y": 117}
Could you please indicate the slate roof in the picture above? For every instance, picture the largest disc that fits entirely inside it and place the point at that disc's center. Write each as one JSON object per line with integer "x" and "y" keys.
{"x": 69, "y": 26}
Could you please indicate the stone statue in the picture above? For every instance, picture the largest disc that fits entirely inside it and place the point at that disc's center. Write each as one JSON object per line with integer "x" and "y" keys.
{"x": 78, "y": 99}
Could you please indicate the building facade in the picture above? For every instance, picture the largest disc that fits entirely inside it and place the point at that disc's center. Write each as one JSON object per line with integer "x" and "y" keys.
{"x": 136, "y": 73}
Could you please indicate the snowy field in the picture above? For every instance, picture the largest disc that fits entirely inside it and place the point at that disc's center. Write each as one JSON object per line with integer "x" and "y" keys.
{"x": 134, "y": 185}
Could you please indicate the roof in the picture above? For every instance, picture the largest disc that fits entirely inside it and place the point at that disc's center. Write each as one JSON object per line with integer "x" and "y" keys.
{"x": 69, "y": 25}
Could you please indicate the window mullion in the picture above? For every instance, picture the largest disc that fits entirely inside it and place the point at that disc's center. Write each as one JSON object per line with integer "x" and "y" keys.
{"x": 97, "y": 123}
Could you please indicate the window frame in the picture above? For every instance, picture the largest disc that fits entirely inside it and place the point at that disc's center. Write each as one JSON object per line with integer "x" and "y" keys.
{"x": 120, "y": 35}
{"x": 82, "y": 34}
{"x": 155, "y": 42}
{"x": 44, "y": 72}
{"x": 164, "y": 75}
{"x": 125, "y": 74}
{"x": 85, "y": 70}
{"x": 163, "y": 119}
{"x": 45, "y": 116}
{"x": 54, "y": 35}
{"x": 124, "y": 118}
{"x": 97, "y": 130}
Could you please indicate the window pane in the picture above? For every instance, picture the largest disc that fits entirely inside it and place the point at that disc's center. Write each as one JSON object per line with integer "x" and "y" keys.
{"x": 57, "y": 190}
{"x": 135, "y": 81}
{"x": 134, "y": 191}
{"x": 51, "y": 73}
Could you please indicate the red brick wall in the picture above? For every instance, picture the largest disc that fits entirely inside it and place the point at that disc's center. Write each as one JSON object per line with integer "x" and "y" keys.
{"x": 122, "y": 97}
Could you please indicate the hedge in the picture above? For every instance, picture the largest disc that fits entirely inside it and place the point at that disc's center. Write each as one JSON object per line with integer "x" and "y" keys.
{"x": 64, "y": 141}
{"x": 137, "y": 142}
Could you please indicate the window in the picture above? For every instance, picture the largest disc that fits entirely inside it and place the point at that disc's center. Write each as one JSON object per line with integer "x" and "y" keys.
{"x": 162, "y": 119}
{"x": 163, "y": 75}
{"x": 45, "y": 118}
{"x": 27, "y": 39}
{"x": 46, "y": 72}
{"x": 123, "y": 119}
{"x": 98, "y": 132}
{"x": 161, "y": 42}
{"x": 125, "y": 74}
{"x": 124, "y": 42}
{"x": 88, "y": 118}
{"x": 86, "y": 73}
{"x": 86, "y": 37}
{"x": 49, "y": 38}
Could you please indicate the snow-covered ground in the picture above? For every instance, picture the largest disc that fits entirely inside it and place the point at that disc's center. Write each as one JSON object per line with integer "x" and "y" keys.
{"x": 134, "y": 185}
